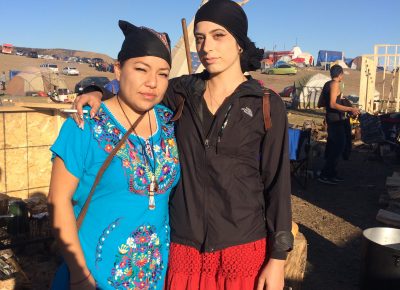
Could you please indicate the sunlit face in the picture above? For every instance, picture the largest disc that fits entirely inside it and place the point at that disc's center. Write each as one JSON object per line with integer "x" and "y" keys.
{"x": 217, "y": 48}
{"x": 142, "y": 81}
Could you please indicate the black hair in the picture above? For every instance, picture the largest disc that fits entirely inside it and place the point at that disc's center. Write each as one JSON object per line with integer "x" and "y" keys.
{"x": 336, "y": 71}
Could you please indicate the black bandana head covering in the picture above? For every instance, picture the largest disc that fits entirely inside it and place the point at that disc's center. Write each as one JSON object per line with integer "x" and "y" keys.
{"x": 232, "y": 17}
{"x": 228, "y": 14}
{"x": 143, "y": 41}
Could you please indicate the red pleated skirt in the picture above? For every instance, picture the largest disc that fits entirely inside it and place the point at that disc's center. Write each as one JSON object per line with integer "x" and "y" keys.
{"x": 233, "y": 268}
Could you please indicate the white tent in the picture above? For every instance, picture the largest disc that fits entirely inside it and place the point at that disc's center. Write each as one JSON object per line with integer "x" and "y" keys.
{"x": 308, "y": 89}
{"x": 296, "y": 50}
{"x": 308, "y": 58}
{"x": 34, "y": 80}
{"x": 341, "y": 63}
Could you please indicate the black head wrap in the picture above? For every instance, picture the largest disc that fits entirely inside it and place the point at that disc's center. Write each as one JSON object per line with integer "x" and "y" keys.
{"x": 143, "y": 41}
{"x": 230, "y": 15}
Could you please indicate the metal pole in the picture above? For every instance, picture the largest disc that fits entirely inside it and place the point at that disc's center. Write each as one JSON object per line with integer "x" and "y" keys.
{"x": 187, "y": 47}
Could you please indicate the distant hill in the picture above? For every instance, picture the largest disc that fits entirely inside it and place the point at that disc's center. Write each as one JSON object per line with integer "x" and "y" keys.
{"x": 66, "y": 52}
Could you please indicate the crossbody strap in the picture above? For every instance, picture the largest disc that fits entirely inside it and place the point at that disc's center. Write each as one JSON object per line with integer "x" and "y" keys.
{"x": 267, "y": 109}
{"x": 103, "y": 168}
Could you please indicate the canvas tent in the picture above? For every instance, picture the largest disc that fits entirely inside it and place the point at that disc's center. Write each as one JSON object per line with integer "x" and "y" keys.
{"x": 341, "y": 63}
{"x": 356, "y": 63}
{"x": 309, "y": 88}
{"x": 328, "y": 56}
{"x": 179, "y": 63}
{"x": 296, "y": 50}
{"x": 34, "y": 80}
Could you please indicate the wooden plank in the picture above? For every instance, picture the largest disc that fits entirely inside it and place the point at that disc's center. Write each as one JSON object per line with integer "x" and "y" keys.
{"x": 388, "y": 217}
{"x": 296, "y": 263}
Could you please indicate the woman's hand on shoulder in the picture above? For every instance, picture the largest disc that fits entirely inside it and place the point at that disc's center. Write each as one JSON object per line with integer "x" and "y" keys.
{"x": 93, "y": 99}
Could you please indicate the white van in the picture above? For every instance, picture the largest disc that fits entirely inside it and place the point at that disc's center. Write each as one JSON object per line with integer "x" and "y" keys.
{"x": 51, "y": 66}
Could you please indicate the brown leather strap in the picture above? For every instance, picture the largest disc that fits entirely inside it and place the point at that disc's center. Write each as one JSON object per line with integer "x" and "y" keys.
{"x": 267, "y": 109}
{"x": 179, "y": 110}
{"x": 103, "y": 168}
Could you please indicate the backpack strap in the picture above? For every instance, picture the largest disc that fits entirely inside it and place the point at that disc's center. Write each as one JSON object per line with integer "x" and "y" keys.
{"x": 267, "y": 109}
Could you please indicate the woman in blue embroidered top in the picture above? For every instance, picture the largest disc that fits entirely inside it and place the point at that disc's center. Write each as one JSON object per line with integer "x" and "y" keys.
{"x": 123, "y": 242}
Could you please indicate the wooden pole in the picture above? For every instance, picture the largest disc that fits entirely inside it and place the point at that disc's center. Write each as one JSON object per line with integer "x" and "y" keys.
{"x": 187, "y": 46}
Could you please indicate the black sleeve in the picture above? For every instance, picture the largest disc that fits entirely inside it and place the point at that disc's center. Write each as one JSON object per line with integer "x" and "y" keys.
{"x": 171, "y": 99}
{"x": 276, "y": 176}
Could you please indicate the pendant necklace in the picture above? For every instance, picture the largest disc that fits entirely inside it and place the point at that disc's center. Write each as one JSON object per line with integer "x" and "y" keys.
{"x": 153, "y": 187}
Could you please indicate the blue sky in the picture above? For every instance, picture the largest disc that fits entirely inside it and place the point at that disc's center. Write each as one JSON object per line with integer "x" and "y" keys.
{"x": 352, "y": 26}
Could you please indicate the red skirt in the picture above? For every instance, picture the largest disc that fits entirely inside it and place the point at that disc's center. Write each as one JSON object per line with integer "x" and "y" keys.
{"x": 233, "y": 268}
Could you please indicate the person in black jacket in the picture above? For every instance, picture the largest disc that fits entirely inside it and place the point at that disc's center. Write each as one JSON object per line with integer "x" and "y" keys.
{"x": 230, "y": 214}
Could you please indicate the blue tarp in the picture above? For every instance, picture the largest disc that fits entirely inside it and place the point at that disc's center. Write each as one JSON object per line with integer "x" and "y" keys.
{"x": 329, "y": 56}
{"x": 13, "y": 73}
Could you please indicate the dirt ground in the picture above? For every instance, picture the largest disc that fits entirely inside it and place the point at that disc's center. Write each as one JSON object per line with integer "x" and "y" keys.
{"x": 331, "y": 218}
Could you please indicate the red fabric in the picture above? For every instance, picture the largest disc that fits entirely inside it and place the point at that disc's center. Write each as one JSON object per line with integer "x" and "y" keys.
{"x": 233, "y": 268}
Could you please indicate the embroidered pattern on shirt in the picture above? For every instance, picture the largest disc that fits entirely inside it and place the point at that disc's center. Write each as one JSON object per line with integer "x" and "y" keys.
{"x": 102, "y": 239}
{"x": 138, "y": 262}
{"x": 138, "y": 170}
{"x": 247, "y": 111}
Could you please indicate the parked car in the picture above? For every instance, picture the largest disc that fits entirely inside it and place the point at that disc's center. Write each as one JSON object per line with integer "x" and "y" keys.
{"x": 19, "y": 52}
{"x": 282, "y": 69}
{"x": 33, "y": 54}
{"x": 70, "y": 71}
{"x": 98, "y": 81}
{"x": 50, "y": 66}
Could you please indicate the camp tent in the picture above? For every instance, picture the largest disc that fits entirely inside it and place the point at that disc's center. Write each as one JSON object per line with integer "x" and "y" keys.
{"x": 356, "y": 63}
{"x": 340, "y": 62}
{"x": 179, "y": 64}
{"x": 328, "y": 56}
{"x": 308, "y": 58}
{"x": 34, "y": 80}
{"x": 296, "y": 50}
{"x": 309, "y": 88}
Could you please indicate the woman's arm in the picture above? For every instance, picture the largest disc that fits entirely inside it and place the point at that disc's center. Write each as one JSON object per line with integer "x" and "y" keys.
{"x": 62, "y": 188}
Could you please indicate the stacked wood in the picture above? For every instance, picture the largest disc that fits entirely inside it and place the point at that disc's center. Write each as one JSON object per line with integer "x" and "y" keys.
{"x": 296, "y": 262}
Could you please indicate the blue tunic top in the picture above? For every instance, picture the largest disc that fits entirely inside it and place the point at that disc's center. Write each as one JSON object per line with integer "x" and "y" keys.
{"x": 124, "y": 242}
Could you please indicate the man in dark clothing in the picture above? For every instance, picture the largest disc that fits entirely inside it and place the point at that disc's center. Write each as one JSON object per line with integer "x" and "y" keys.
{"x": 3, "y": 81}
{"x": 335, "y": 119}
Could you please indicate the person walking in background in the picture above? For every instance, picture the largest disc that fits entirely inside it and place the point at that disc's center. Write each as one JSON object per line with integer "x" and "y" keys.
{"x": 331, "y": 99}
{"x": 3, "y": 80}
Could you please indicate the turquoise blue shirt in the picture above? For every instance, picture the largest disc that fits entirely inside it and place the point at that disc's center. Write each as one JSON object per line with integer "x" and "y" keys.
{"x": 125, "y": 243}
